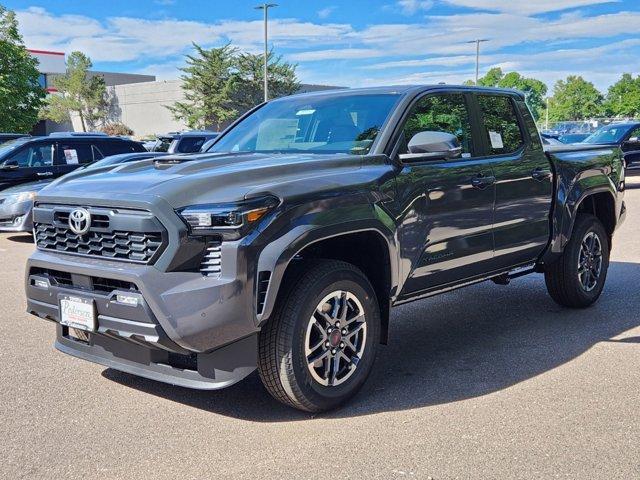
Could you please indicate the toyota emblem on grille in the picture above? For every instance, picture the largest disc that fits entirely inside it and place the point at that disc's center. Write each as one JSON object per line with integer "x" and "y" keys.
{"x": 79, "y": 221}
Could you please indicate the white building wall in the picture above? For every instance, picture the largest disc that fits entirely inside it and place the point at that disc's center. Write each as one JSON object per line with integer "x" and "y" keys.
{"x": 142, "y": 106}
{"x": 49, "y": 62}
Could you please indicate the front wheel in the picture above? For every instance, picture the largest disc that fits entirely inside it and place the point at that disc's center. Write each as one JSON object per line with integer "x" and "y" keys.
{"x": 576, "y": 280}
{"x": 320, "y": 346}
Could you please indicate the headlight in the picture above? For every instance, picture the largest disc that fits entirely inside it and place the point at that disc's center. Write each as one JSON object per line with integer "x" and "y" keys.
{"x": 20, "y": 197}
{"x": 231, "y": 220}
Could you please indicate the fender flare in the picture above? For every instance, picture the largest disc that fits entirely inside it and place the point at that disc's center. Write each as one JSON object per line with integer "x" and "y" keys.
{"x": 565, "y": 213}
{"x": 277, "y": 255}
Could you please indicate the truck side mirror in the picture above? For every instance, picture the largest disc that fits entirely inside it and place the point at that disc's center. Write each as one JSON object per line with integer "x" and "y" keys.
{"x": 633, "y": 141}
{"x": 432, "y": 146}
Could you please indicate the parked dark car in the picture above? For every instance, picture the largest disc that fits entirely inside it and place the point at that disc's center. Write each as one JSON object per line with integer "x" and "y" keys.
{"x": 573, "y": 137}
{"x": 16, "y": 203}
{"x": 5, "y": 137}
{"x": 183, "y": 142}
{"x": 285, "y": 246}
{"x": 625, "y": 135}
{"x": 29, "y": 159}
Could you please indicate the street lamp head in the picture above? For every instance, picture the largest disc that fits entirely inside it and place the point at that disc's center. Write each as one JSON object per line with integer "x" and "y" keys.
{"x": 265, "y": 6}
{"x": 479, "y": 40}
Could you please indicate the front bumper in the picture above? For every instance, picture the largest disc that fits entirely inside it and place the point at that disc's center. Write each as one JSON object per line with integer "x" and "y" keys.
{"x": 205, "y": 371}
{"x": 16, "y": 217}
{"x": 203, "y": 323}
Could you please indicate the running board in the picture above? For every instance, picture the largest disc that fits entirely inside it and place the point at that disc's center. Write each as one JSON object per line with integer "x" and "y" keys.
{"x": 505, "y": 278}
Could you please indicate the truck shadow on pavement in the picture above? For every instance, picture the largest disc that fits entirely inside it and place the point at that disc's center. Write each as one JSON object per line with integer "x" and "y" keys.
{"x": 449, "y": 348}
{"x": 25, "y": 238}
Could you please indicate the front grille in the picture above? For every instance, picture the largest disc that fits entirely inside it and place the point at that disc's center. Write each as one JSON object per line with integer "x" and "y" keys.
{"x": 56, "y": 277}
{"x": 212, "y": 262}
{"x": 135, "y": 247}
{"x": 115, "y": 234}
{"x": 98, "y": 284}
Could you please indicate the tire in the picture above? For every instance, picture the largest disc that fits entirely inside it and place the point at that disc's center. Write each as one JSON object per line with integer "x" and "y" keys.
{"x": 300, "y": 322}
{"x": 564, "y": 283}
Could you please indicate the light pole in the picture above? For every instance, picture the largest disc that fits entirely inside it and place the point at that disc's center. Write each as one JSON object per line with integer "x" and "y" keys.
{"x": 546, "y": 121}
{"x": 266, "y": 7}
{"x": 478, "y": 42}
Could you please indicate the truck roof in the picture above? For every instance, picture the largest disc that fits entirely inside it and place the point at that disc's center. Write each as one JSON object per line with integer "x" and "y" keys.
{"x": 402, "y": 90}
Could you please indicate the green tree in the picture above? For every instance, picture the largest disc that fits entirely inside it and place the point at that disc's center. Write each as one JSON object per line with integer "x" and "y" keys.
{"x": 534, "y": 89}
{"x": 491, "y": 78}
{"x": 21, "y": 96}
{"x": 209, "y": 82}
{"x": 575, "y": 99}
{"x": 79, "y": 93}
{"x": 250, "y": 86}
{"x": 623, "y": 97}
{"x": 221, "y": 83}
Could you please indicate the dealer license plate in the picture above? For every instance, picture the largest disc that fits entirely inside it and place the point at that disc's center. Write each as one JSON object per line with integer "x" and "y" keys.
{"x": 77, "y": 312}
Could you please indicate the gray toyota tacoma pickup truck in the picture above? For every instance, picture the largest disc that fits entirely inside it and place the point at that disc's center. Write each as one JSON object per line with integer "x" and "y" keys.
{"x": 284, "y": 247}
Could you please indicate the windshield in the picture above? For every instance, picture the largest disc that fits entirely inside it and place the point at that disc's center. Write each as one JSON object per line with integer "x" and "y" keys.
{"x": 608, "y": 134}
{"x": 323, "y": 124}
{"x": 162, "y": 144}
{"x": 11, "y": 145}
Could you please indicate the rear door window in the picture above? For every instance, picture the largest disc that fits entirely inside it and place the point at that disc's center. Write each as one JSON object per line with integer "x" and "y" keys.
{"x": 500, "y": 124}
{"x": 75, "y": 153}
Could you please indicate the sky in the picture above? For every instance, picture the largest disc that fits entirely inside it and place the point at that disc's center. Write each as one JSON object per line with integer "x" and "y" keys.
{"x": 351, "y": 43}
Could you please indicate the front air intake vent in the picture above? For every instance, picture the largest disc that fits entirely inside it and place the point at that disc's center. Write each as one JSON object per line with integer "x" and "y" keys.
{"x": 263, "y": 285}
{"x": 212, "y": 262}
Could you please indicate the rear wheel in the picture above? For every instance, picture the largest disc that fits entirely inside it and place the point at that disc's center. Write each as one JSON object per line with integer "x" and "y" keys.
{"x": 576, "y": 280}
{"x": 320, "y": 346}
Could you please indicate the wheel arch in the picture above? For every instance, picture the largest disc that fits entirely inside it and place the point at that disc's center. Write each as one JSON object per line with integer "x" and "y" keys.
{"x": 356, "y": 244}
{"x": 599, "y": 202}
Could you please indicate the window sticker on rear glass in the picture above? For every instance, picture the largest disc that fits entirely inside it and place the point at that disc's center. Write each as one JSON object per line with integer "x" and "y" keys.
{"x": 496, "y": 140}
{"x": 71, "y": 157}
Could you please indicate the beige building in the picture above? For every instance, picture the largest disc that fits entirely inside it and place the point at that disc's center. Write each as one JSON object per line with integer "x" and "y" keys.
{"x": 143, "y": 106}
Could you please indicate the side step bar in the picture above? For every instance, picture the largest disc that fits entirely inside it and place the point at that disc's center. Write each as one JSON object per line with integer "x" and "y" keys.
{"x": 506, "y": 278}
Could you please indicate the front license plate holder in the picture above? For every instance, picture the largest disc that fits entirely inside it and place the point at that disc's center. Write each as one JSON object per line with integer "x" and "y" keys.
{"x": 78, "y": 312}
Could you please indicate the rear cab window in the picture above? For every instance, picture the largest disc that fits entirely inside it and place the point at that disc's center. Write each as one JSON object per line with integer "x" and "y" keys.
{"x": 500, "y": 124}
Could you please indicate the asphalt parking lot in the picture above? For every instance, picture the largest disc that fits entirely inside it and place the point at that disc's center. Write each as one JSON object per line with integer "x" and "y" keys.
{"x": 486, "y": 382}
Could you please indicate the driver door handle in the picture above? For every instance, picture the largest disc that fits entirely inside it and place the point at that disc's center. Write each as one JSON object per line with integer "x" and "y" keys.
{"x": 44, "y": 174}
{"x": 480, "y": 181}
{"x": 541, "y": 174}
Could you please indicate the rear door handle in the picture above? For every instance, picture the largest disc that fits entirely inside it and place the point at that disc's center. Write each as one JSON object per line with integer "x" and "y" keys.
{"x": 44, "y": 174}
{"x": 541, "y": 174}
{"x": 481, "y": 182}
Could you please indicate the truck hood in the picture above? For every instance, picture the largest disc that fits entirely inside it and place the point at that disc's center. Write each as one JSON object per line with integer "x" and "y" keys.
{"x": 209, "y": 178}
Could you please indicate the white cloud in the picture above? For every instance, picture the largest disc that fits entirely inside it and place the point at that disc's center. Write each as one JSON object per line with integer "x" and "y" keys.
{"x": 409, "y": 7}
{"x": 335, "y": 54}
{"x": 526, "y": 7}
{"x": 326, "y": 12}
{"x": 385, "y": 53}
{"x": 125, "y": 38}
